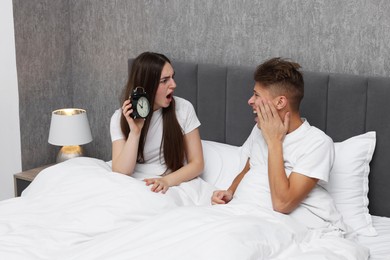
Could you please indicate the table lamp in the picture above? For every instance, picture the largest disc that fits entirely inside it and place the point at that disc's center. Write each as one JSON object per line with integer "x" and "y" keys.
{"x": 69, "y": 128}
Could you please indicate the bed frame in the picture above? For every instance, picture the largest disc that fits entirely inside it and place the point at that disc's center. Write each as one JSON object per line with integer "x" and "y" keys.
{"x": 339, "y": 104}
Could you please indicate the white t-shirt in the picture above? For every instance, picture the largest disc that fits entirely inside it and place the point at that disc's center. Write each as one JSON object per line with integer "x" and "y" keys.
{"x": 186, "y": 117}
{"x": 307, "y": 151}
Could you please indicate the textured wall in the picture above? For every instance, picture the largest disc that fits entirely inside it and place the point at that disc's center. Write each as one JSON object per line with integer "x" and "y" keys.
{"x": 336, "y": 36}
{"x": 323, "y": 35}
{"x": 43, "y": 65}
{"x": 332, "y": 36}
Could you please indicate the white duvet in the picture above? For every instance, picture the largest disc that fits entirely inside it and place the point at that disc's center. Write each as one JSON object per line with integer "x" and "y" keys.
{"x": 79, "y": 209}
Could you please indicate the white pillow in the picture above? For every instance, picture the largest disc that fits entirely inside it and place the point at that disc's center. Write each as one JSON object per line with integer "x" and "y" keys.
{"x": 221, "y": 163}
{"x": 348, "y": 182}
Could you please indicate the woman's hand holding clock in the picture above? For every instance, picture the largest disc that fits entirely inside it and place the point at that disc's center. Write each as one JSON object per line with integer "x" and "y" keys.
{"x": 134, "y": 124}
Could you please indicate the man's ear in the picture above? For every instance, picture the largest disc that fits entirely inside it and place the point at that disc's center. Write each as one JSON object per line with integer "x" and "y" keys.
{"x": 281, "y": 102}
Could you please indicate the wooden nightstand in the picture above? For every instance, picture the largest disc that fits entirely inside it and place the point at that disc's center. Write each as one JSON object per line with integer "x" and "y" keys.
{"x": 23, "y": 179}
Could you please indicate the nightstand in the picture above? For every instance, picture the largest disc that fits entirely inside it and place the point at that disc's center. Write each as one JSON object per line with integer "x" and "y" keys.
{"x": 23, "y": 179}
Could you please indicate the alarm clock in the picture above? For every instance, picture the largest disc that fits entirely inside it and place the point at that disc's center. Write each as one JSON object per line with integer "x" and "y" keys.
{"x": 140, "y": 103}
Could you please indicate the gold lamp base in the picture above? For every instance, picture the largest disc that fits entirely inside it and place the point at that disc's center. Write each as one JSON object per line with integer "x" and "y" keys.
{"x": 69, "y": 152}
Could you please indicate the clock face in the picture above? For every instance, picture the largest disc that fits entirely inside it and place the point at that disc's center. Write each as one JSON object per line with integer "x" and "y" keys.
{"x": 143, "y": 107}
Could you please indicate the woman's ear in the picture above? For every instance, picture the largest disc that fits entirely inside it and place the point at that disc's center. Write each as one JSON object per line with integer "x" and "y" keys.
{"x": 281, "y": 102}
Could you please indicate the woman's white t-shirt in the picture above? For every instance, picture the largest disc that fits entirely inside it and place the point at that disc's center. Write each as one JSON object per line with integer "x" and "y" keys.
{"x": 186, "y": 116}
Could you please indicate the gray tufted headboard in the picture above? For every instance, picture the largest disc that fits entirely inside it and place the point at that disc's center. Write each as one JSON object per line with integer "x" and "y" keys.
{"x": 341, "y": 105}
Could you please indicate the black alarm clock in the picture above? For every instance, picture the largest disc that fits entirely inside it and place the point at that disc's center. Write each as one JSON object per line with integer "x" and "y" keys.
{"x": 140, "y": 103}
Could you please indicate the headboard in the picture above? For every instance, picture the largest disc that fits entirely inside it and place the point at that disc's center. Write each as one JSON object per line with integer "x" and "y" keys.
{"x": 341, "y": 105}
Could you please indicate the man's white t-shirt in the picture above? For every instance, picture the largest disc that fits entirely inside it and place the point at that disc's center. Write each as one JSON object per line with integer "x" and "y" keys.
{"x": 188, "y": 121}
{"x": 307, "y": 151}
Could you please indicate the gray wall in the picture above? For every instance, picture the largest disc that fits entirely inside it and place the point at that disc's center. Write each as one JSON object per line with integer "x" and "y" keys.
{"x": 42, "y": 42}
{"x": 74, "y": 52}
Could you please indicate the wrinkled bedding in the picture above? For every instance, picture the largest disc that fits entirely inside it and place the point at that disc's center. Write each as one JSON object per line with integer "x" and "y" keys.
{"x": 79, "y": 209}
{"x": 379, "y": 245}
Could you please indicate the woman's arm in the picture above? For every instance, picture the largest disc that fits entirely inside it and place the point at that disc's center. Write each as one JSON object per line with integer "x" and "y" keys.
{"x": 195, "y": 163}
{"x": 125, "y": 152}
{"x": 193, "y": 168}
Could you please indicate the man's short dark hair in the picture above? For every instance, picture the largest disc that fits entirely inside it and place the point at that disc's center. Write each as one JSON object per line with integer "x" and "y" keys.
{"x": 282, "y": 77}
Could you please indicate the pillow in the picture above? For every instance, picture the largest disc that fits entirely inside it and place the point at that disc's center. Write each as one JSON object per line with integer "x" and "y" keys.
{"x": 222, "y": 163}
{"x": 348, "y": 182}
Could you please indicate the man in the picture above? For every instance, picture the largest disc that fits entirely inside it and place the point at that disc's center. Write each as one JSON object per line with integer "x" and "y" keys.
{"x": 287, "y": 157}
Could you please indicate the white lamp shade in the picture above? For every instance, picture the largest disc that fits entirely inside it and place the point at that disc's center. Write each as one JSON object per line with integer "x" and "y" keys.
{"x": 69, "y": 126}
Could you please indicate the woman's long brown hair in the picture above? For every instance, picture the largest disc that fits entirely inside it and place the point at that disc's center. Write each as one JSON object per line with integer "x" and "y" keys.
{"x": 146, "y": 72}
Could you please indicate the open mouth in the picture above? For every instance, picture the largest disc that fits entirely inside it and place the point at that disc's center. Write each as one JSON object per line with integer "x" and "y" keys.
{"x": 169, "y": 96}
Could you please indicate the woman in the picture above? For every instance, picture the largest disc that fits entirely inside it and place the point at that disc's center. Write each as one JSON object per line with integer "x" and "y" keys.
{"x": 164, "y": 149}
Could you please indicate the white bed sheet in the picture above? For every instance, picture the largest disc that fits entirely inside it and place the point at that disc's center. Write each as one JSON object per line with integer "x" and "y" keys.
{"x": 78, "y": 200}
{"x": 218, "y": 232}
{"x": 379, "y": 245}
{"x": 79, "y": 209}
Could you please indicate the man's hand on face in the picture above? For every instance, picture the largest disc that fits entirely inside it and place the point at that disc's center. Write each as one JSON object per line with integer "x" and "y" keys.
{"x": 270, "y": 123}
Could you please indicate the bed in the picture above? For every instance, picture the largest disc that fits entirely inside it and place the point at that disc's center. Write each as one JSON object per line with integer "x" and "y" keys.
{"x": 105, "y": 219}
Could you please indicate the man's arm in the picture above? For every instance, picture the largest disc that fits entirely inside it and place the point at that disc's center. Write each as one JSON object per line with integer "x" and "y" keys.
{"x": 224, "y": 196}
{"x": 286, "y": 192}
{"x": 239, "y": 177}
